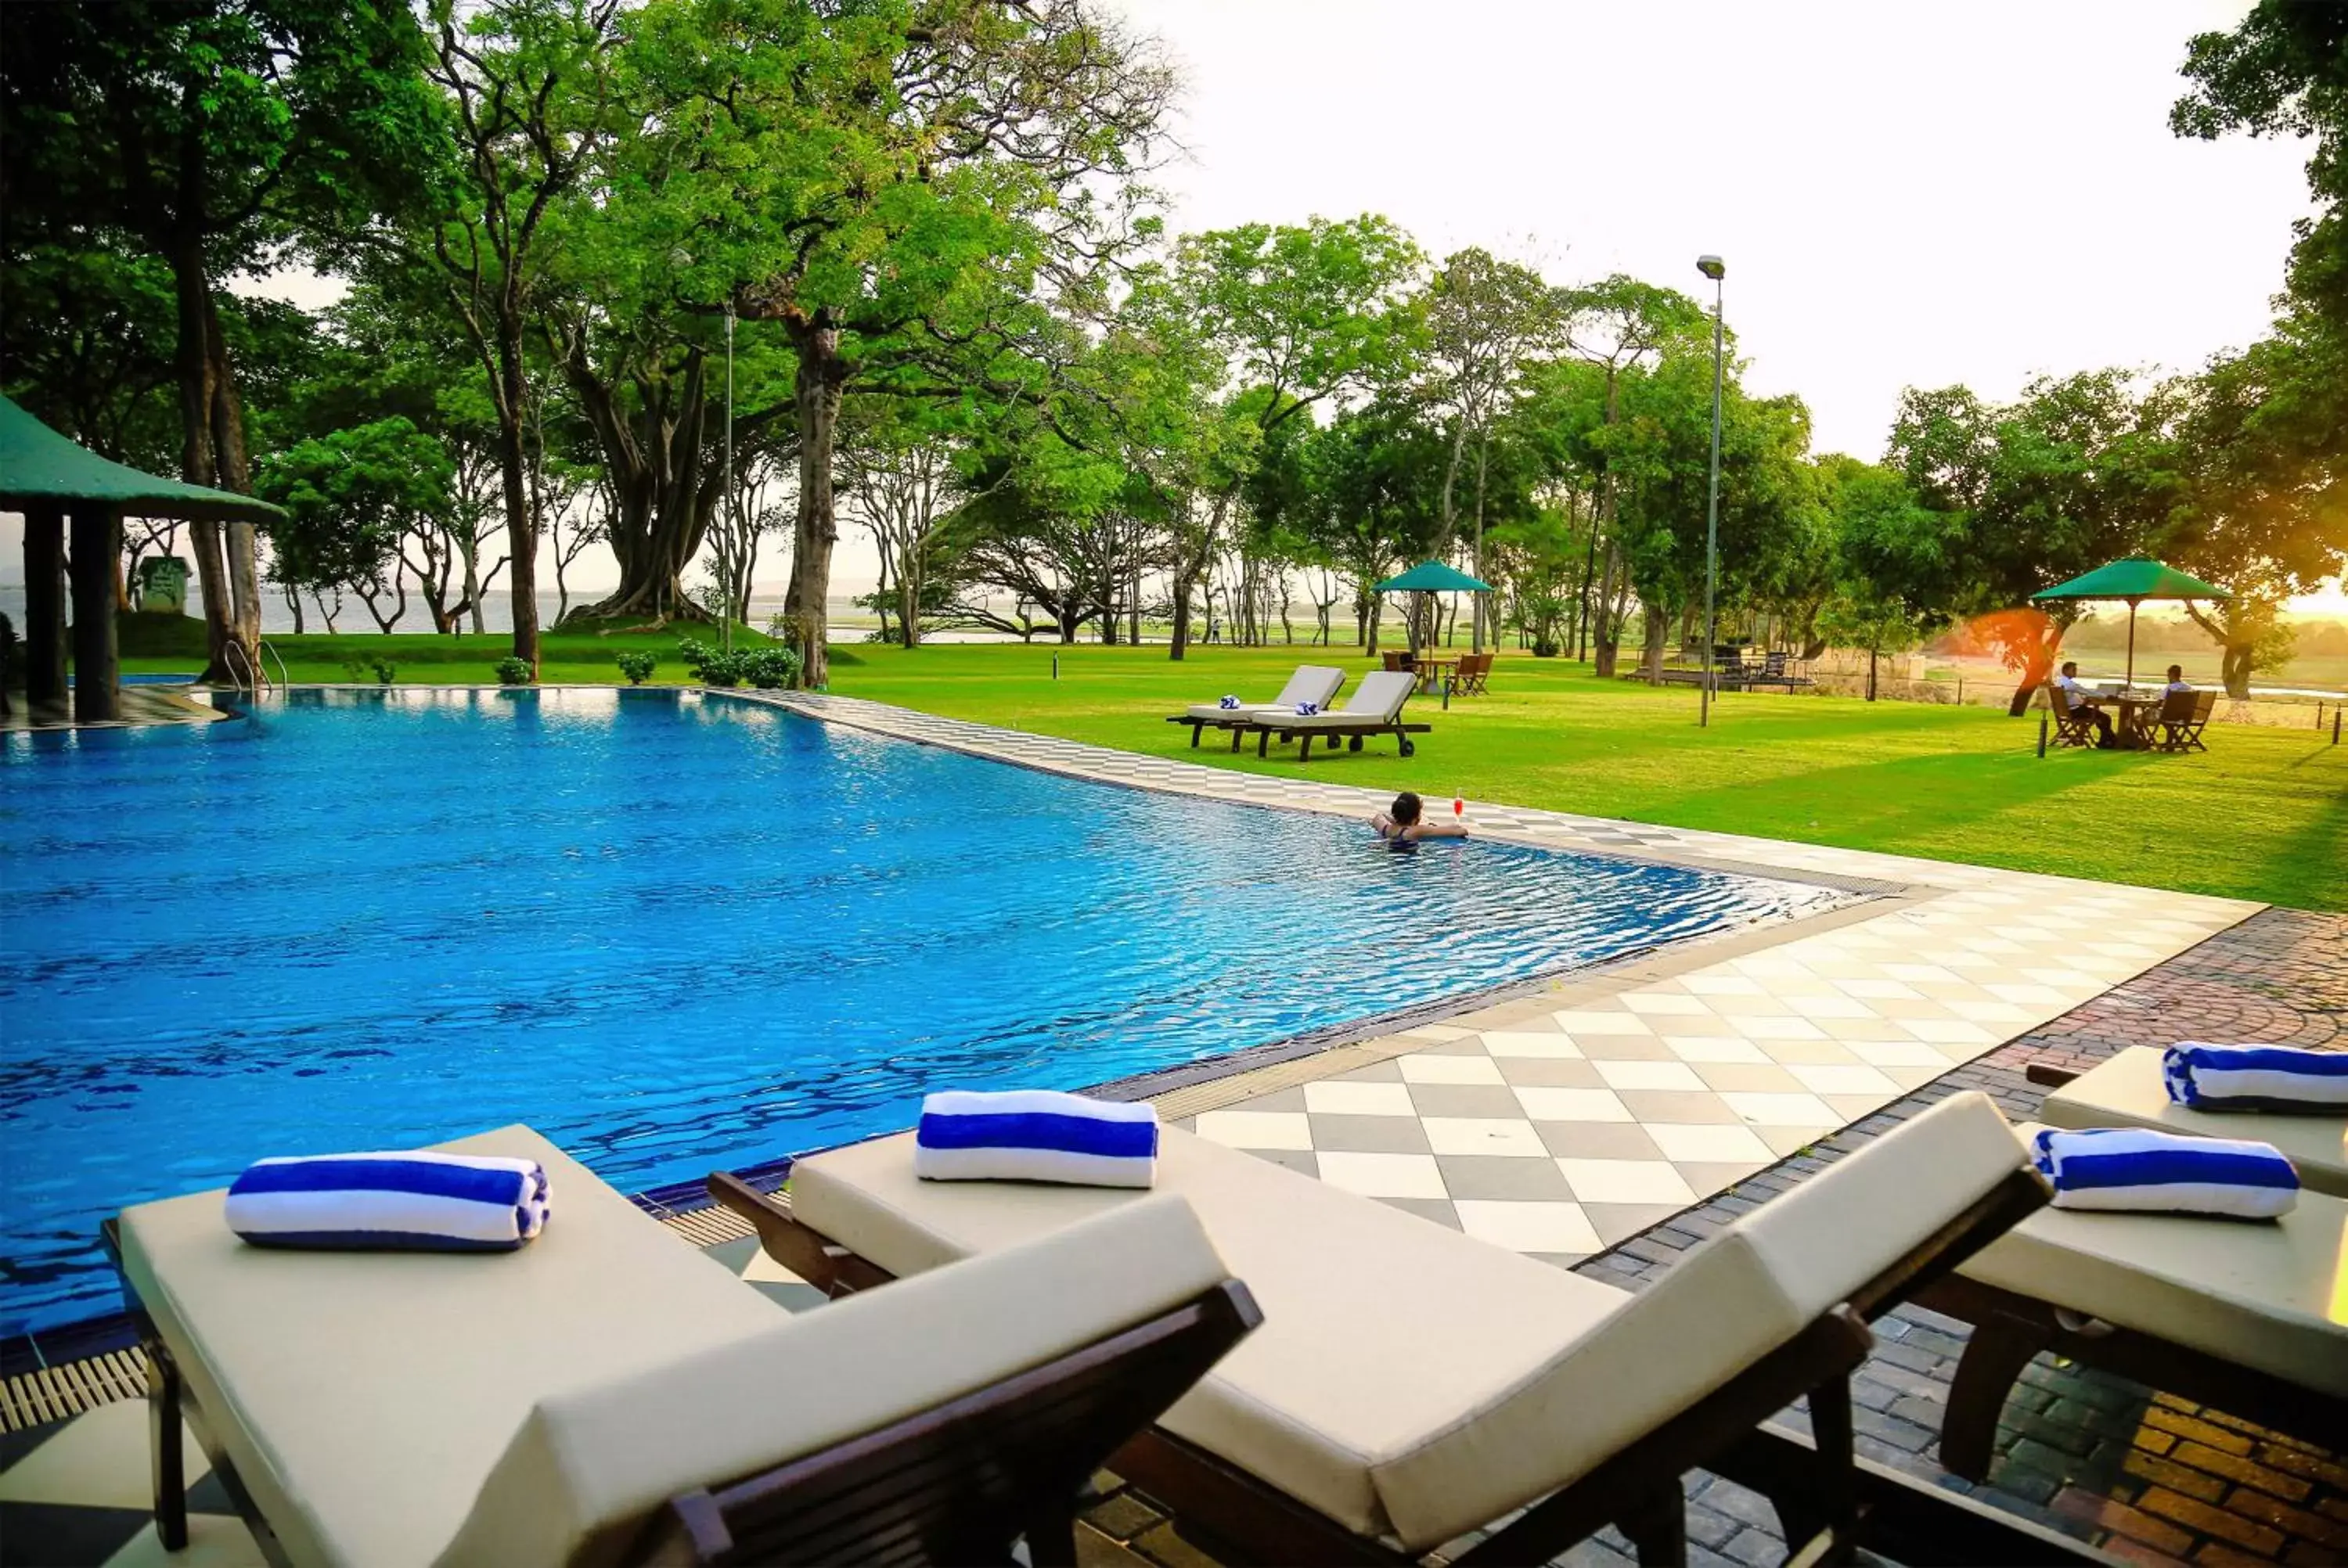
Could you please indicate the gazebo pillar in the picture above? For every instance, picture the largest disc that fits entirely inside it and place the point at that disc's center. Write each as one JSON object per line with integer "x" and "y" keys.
{"x": 45, "y": 607}
{"x": 97, "y": 661}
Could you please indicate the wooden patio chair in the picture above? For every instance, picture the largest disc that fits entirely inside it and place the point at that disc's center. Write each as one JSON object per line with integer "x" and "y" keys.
{"x": 1369, "y": 1424}
{"x": 2183, "y": 716}
{"x": 608, "y": 1396}
{"x": 2071, "y": 725}
{"x": 1474, "y": 669}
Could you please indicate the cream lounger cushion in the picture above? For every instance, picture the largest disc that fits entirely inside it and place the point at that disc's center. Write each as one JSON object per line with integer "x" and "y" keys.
{"x": 1410, "y": 1380}
{"x": 1379, "y": 1327}
{"x": 1315, "y": 683}
{"x": 1730, "y": 1300}
{"x": 2267, "y": 1294}
{"x": 363, "y": 1396}
{"x": 2127, "y": 1091}
{"x": 1378, "y": 700}
{"x": 590, "y": 1467}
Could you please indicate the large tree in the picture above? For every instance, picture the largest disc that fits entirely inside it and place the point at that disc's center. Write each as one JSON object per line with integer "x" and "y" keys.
{"x": 886, "y": 181}
{"x": 1486, "y": 321}
{"x": 530, "y": 104}
{"x": 214, "y": 135}
{"x": 1305, "y": 316}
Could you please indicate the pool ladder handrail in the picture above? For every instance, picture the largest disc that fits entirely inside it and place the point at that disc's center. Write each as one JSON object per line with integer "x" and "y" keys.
{"x": 249, "y": 675}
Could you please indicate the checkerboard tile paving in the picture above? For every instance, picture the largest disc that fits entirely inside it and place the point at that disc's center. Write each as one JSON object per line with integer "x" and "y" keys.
{"x": 1558, "y": 1130}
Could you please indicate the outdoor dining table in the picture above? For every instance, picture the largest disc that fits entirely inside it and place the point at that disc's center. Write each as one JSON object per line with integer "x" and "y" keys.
{"x": 1432, "y": 672}
{"x": 2133, "y": 730}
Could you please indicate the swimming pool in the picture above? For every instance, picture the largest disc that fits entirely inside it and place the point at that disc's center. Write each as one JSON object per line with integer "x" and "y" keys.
{"x": 672, "y": 932}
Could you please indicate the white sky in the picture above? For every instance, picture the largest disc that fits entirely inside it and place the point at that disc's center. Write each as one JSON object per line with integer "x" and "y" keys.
{"x": 1906, "y": 194}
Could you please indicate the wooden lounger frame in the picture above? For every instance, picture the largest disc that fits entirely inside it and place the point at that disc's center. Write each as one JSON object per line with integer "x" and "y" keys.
{"x": 1354, "y": 732}
{"x": 959, "y": 1484}
{"x": 2010, "y": 1329}
{"x": 1825, "y": 1495}
{"x": 1238, "y": 723}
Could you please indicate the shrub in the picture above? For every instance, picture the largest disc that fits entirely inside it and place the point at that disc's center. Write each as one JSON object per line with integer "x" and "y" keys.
{"x": 711, "y": 666}
{"x": 512, "y": 672}
{"x": 1544, "y": 650}
{"x": 358, "y": 669}
{"x": 770, "y": 668}
{"x": 638, "y": 666}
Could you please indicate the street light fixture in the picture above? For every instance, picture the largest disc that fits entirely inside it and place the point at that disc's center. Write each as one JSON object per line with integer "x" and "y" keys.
{"x": 1713, "y": 268}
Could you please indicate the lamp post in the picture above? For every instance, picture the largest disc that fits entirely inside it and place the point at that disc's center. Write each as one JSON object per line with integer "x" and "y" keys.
{"x": 1713, "y": 268}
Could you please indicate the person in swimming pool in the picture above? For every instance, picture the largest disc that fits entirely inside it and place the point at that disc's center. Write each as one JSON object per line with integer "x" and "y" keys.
{"x": 1402, "y": 822}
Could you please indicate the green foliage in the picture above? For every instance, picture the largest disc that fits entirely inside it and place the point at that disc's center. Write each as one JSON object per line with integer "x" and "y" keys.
{"x": 638, "y": 666}
{"x": 514, "y": 671}
{"x": 349, "y": 496}
{"x": 766, "y": 668}
{"x": 384, "y": 670}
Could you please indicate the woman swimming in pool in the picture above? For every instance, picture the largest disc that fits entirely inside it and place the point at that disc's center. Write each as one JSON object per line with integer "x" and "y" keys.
{"x": 1401, "y": 823}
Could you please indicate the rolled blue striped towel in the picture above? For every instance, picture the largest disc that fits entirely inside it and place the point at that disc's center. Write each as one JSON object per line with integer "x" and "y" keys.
{"x": 411, "y": 1201}
{"x": 1227, "y": 702}
{"x": 1035, "y": 1135}
{"x": 1306, "y": 710}
{"x": 2138, "y": 1169}
{"x": 2256, "y": 1078}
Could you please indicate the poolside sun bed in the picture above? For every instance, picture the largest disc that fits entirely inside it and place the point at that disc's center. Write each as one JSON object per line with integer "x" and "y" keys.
{"x": 1313, "y": 683}
{"x": 2245, "y": 1316}
{"x": 2126, "y": 1091}
{"x": 1411, "y": 1383}
{"x": 1373, "y": 709}
{"x": 607, "y": 1395}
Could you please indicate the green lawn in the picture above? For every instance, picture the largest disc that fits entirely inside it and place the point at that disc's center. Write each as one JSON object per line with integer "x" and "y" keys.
{"x": 2264, "y": 815}
{"x": 157, "y": 644}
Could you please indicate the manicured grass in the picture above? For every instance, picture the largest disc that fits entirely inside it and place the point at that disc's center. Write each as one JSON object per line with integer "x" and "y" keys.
{"x": 154, "y": 644}
{"x": 2263, "y": 814}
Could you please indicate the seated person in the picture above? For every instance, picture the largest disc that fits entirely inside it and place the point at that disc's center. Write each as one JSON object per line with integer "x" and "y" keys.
{"x": 1401, "y": 824}
{"x": 2075, "y": 700}
{"x": 2177, "y": 681}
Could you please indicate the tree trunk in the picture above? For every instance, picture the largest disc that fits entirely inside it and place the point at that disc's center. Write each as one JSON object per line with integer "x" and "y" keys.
{"x": 816, "y": 397}
{"x": 2234, "y": 669}
{"x": 1870, "y": 674}
{"x": 1483, "y": 449}
{"x": 1657, "y": 627}
{"x": 193, "y": 363}
{"x": 1605, "y": 631}
{"x": 231, "y": 472}
{"x": 661, "y": 501}
{"x": 513, "y": 462}
{"x": 471, "y": 552}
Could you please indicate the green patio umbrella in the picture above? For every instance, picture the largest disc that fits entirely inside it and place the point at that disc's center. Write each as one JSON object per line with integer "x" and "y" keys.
{"x": 1433, "y": 576}
{"x": 2135, "y": 579}
{"x": 1430, "y": 577}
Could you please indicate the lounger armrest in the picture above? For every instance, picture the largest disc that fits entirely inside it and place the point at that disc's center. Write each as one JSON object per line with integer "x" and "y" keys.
{"x": 590, "y": 1466}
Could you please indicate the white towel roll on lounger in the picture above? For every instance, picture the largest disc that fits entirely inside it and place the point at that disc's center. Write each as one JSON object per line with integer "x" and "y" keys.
{"x": 2256, "y": 1078}
{"x": 2136, "y": 1168}
{"x": 1036, "y": 1135}
{"x": 414, "y": 1201}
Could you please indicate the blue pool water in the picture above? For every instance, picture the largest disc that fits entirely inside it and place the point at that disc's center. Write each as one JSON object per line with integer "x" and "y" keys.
{"x": 672, "y": 933}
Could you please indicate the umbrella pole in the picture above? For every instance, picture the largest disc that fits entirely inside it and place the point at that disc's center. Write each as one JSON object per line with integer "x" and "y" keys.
{"x": 2128, "y": 680}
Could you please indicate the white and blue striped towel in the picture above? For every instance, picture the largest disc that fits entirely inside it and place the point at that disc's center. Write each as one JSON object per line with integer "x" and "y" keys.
{"x": 415, "y": 1202}
{"x": 1306, "y": 710}
{"x": 1227, "y": 702}
{"x": 1035, "y": 1135}
{"x": 2137, "y": 1168}
{"x": 2256, "y": 1078}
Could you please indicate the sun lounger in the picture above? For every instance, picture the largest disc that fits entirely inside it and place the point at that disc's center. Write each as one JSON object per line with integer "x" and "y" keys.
{"x": 607, "y": 1395}
{"x": 1313, "y": 683}
{"x": 2244, "y": 1316}
{"x": 1411, "y": 1383}
{"x": 2126, "y": 1092}
{"x": 1373, "y": 709}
